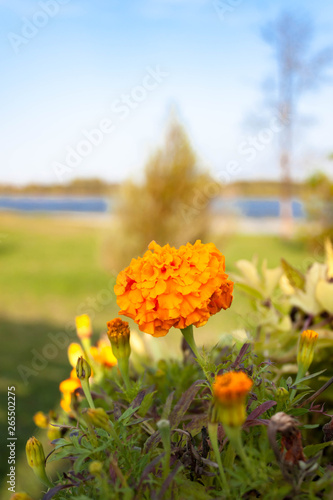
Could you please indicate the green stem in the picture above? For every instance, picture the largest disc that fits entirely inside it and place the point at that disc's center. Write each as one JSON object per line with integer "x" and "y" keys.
{"x": 212, "y": 431}
{"x": 41, "y": 474}
{"x": 235, "y": 438}
{"x": 123, "y": 366}
{"x": 86, "y": 390}
{"x": 300, "y": 374}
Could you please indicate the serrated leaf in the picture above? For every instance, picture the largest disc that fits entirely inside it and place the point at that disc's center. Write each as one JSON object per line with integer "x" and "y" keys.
{"x": 167, "y": 406}
{"x": 313, "y": 449}
{"x": 128, "y": 413}
{"x": 295, "y": 278}
{"x": 146, "y": 403}
{"x": 309, "y": 376}
{"x": 184, "y": 403}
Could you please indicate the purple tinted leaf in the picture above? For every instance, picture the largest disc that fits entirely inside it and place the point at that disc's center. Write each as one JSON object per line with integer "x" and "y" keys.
{"x": 168, "y": 482}
{"x": 153, "y": 440}
{"x": 148, "y": 470}
{"x": 240, "y": 355}
{"x": 261, "y": 409}
{"x": 138, "y": 400}
{"x": 184, "y": 403}
{"x": 55, "y": 490}
{"x": 196, "y": 424}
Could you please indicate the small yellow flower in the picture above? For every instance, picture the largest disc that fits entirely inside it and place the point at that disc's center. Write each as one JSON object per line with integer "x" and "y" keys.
{"x": 229, "y": 392}
{"x": 102, "y": 353}
{"x": 41, "y": 420}
{"x": 83, "y": 326}
{"x": 119, "y": 336}
{"x": 20, "y": 496}
{"x": 67, "y": 388}
{"x": 281, "y": 394}
{"x": 307, "y": 342}
{"x": 97, "y": 417}
{"x": 74, "y": 351}
{"x": 96, "y": 468}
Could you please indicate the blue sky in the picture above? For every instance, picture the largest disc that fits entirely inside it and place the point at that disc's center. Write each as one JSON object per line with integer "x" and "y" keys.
{"x": 70, "y": 65}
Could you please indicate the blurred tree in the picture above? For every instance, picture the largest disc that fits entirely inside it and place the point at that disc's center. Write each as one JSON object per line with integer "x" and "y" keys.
{"x": 298, "y": 70}
{"x": 170, "y": 205}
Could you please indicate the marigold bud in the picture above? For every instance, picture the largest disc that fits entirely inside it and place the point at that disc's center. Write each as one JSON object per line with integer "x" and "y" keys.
{"x": 41, "y": 420}
{"x": 97, "y": 417}
{"x": 83, "y": 370}
{"x": 230, "y": 391}
{"x": 281, "y": 394}
{"x": 36, "y": 459}
{"x": 307, "y": 342}
{"x": 119, "y": 336}
{"x": 96, "y": 468}
{"x": 35, "y": 452}
{"x": 83, "y": 326}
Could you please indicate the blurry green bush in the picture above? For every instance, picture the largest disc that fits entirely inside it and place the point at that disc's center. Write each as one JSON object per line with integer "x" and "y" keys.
{"x": 170, "y": 205}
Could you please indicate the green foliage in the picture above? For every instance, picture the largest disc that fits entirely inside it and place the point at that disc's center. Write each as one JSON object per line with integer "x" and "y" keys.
{"x": 128, "y": 461}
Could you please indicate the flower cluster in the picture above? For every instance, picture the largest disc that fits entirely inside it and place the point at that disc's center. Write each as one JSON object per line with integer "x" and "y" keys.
{"x": 171, "y": 287}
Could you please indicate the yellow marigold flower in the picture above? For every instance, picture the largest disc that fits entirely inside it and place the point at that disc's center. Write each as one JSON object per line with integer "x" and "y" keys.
{"x": 119, "y": 335}
{"x": 74, "y": 351}
{"x": 102, "y": 353}
{"x": 67, "y": 387}
{"x": 20, "y": 496}
{"x": 171, "y": 287}
{"x": 96, "y": 468}
{"x": 97, "y": 417}
{"x": 83, "y": 326}
{"x": 41, "y": 420}
{"x": 307, "y": 342}
{"x": 230, "y": 391}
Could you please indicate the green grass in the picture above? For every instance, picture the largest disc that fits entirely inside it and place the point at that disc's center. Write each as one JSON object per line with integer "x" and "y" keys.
{"x": 53, "y": 269}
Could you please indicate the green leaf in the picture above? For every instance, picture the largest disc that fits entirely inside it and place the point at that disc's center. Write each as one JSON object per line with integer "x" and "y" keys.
{"x": 295, "y": 278}
{"x": 296, "y": 412}
{"x": 167, "y": 406}
{"x": 313, "y": 449}
{"x": 309, "y": 376}
{"x": 310, "y": 426}
{"x": 128, "y": 413}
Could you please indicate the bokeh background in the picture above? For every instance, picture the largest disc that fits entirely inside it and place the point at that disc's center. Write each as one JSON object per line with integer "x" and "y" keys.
{"x": 124, "y": 122}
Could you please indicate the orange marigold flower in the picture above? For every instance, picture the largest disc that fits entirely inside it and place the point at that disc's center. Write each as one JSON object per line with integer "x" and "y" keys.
{"x": 230, "y": 391}
{"x": 171, "y": 287}
{"x": 102, "y": 353}
{"x": 67, "y": 387}
{"x": 231, "y": 386}
{"x": 41, "y": 420}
